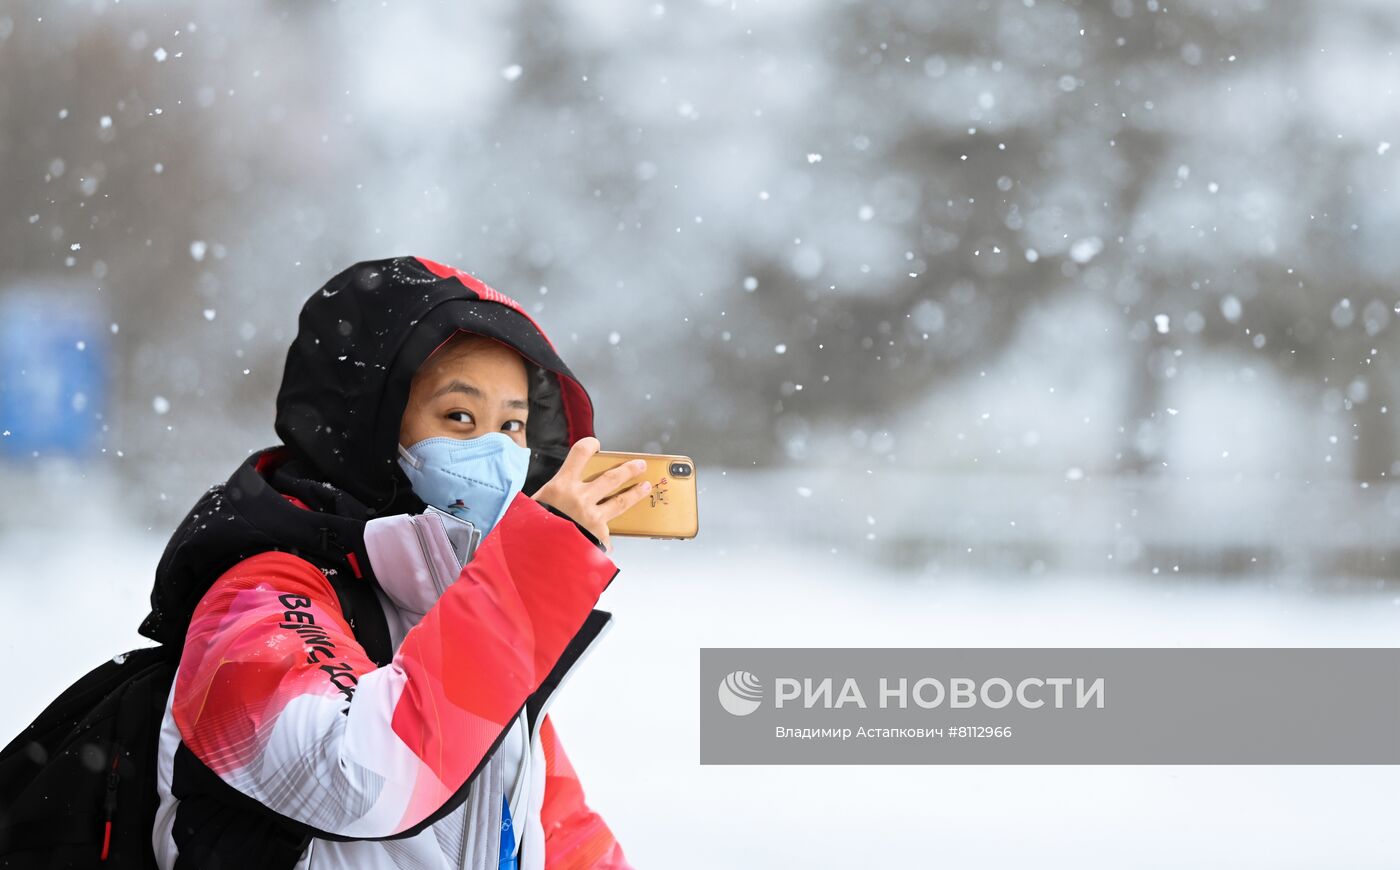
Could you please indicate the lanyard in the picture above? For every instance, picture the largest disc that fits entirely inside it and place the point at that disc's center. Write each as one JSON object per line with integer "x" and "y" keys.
{"x": 508, "y": 856}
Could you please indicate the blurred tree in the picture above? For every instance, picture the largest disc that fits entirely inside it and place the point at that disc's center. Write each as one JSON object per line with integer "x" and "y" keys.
{"x": 103, "y": 181}
{"x": 743, "y": 220}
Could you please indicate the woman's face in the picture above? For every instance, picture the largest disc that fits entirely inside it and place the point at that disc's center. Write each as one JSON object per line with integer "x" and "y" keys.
{"x": 470, "y": 386}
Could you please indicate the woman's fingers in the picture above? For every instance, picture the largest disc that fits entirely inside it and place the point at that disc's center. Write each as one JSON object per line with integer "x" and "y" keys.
{"x": 619, "y": 504}
{"x": 616, "y": 477}
{"x": 614, "y": 507}
{"x": 588, "y": 501}
{"x": 572, "y": 466}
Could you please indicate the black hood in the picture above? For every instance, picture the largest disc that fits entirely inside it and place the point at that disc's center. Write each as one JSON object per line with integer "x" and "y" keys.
{"x": 360, "y": 339}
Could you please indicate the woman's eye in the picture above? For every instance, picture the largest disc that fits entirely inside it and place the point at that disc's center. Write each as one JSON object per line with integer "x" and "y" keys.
{"x": 509, "y": 422}
{"x": 455, "y": 415}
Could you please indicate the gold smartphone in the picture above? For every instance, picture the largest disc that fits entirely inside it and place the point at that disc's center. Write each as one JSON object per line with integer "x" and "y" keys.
{"x": 669, "y": 510}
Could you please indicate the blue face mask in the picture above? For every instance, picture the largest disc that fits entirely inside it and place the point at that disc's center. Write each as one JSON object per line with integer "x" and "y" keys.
{"x": 475, "y": 479}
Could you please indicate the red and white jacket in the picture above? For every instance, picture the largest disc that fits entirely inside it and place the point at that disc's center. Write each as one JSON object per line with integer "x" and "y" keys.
{"x": 274, "y": 695}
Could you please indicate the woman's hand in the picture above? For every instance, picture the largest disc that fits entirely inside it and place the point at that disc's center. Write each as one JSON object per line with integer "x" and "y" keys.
{"x": 584, "y": 501}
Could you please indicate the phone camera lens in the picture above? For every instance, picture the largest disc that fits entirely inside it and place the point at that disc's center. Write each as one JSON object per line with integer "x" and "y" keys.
{"x": 680, "y": 469}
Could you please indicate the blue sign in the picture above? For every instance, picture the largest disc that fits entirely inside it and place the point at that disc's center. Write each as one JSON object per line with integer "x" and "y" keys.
{"x": 53, "y": 366}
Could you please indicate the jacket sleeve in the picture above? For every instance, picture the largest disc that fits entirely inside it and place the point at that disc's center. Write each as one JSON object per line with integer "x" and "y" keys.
{"x": 575, "y": 837}
{"x": 275, "y": 696}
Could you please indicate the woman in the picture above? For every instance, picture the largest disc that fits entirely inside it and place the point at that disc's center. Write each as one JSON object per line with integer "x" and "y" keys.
{"x": 376, "y": 615}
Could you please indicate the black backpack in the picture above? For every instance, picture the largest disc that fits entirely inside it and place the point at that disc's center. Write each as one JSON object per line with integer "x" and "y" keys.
{"x": 78, "y": 786}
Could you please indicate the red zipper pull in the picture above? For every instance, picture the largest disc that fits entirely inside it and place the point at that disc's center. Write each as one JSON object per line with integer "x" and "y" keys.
{"x": 109, "y": 804}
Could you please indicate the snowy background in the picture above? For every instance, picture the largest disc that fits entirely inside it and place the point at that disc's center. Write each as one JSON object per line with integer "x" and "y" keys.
{"x": 987, "y": 322}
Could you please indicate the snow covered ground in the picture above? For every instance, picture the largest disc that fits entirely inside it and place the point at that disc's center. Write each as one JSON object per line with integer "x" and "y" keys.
{"x": 629, "y": 717}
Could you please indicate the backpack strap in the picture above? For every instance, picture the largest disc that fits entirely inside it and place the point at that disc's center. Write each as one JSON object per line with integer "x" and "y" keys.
{"x": 366, "y": 617}
{"x": 358, "y": 603}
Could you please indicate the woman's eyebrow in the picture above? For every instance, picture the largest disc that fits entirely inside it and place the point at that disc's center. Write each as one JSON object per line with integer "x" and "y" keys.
{"x": 456, "y": 386}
